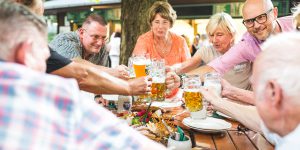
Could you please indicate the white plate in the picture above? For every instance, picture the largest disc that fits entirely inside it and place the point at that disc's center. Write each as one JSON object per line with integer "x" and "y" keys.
{"x": 223, "y": 115}
{"x": 166, "y": 104}
{"x": 207, "y": 124}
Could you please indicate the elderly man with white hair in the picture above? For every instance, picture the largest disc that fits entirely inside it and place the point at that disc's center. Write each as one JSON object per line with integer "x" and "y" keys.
{"x": 276, "y": 84}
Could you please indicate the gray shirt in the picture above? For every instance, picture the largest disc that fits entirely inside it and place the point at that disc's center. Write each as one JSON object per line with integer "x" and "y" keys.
{"x": 238, "y": 76}
{"x": 69, "y": 45}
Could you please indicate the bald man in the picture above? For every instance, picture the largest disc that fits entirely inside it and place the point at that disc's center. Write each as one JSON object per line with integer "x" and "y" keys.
{"x": 260, "y": 19}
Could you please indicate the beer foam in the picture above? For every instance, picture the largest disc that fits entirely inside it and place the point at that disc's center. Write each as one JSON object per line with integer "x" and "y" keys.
{"x": 158, "y": 80}
{"x": 139, "y": 62}
{"x": 191, "y": 90}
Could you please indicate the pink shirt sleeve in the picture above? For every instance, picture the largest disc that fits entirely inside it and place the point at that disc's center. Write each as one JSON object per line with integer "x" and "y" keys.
{"x": 237, "y": 54}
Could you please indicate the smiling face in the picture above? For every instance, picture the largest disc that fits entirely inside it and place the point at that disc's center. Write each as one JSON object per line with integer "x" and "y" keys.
{"x": 254, "y": 9}
{"x": 221, "y": 40}
{"x": 92, "y": 37}
{"x": 160, "y": 26}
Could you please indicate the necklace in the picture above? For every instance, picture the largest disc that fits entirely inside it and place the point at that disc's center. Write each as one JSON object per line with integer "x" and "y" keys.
{"x": 163, "y": 48}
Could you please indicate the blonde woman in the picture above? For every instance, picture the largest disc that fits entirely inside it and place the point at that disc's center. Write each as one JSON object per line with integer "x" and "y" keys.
{"x": 221, "y": 31}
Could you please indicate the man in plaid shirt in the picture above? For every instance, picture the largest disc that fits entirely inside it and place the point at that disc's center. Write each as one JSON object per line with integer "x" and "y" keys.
{"x": 40, "y": 111}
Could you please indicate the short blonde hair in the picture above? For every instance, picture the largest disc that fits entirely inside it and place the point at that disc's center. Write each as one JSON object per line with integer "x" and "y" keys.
{"x": 223, "y": 21}
{"x": 296, "y": 15}
{"x": 164, "y": 9}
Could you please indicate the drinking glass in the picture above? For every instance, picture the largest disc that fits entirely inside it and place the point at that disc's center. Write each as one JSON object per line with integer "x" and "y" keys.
{"x": 139, "y": 65}
{"x": 193, "y": 97}
{"x": 213, "y": 80}
{"x": 131, "y": 69}
{"x": 158, "y": 87}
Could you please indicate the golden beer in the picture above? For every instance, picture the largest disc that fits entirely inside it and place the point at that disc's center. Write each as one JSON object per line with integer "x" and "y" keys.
{"x": 193, "y": 100}
{"x": 158, "y": 91}
{"x": 139, "y": 70}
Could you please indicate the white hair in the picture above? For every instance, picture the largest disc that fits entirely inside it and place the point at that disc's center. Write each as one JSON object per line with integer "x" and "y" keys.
{"x": 296, "y": 15}
{"x": 18, "y": 24}
{"x": 280, "y": 61}
{"x": 222, "y": 21}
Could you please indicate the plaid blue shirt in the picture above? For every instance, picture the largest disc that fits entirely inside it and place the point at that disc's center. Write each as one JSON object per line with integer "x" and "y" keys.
{"x": 40, "y": 111}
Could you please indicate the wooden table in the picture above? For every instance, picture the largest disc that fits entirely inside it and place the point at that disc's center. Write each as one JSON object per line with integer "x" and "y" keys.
{"x": 228, "y": 140}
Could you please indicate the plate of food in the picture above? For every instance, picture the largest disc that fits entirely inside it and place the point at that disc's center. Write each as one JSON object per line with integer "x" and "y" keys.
{"x": 151, "y": 122}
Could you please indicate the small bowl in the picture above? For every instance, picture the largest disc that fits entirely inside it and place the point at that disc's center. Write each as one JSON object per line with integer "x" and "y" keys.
{"x": 179, "y": 145}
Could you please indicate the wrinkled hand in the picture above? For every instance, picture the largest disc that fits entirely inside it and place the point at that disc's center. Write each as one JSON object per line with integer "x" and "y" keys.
{"x": 172, "y": 79}
{"x": 141, "y": 85}
{"x": 122, "y": 72}
{"x": 210, "y": 94}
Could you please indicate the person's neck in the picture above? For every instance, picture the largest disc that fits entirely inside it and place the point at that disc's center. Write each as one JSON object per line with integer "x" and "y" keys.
{"x": 291, "y": 122}
{"x": 162, "y": 38}
{"x": 277, "y": 28}
{"x": 86, "y": 55}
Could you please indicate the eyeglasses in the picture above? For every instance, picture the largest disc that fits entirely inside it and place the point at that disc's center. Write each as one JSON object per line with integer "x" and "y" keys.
{"x": 259, "y": 19}
{"x": 97, "y": 37}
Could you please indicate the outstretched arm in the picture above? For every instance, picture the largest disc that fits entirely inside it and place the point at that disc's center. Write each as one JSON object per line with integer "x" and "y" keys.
{"x": 246, "y": 114}
{"x": 95, "y": 80}
{"x": 187, "y": 65}
{"x": 237, "y": 94}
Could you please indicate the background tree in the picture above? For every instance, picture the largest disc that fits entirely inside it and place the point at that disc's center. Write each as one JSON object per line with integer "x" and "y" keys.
{"x": 134, "y": 23}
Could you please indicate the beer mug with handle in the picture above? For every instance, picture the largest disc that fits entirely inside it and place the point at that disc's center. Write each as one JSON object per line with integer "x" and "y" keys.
{"x": 139, "y": 66}
{"x": 157, "y": 72}
{"x": 192, "y": 96}
{"x": 212, "y": 80}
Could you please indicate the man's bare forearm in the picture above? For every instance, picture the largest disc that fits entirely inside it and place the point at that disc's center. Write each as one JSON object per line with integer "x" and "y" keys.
{"x": 94, "y": 80}
{"x": 246, "y": 114}
{"x": 242, "y": 95}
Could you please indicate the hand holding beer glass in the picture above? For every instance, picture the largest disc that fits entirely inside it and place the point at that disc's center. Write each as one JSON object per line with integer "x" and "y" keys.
{"x": 212, "y": 80}
{"x": 157, "y": 72}
{"x": 139, "y": 67}
{"x": 193, "y": 97}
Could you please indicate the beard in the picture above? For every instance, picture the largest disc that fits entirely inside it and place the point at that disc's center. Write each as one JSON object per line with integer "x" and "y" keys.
{"x": 272, "y": 137}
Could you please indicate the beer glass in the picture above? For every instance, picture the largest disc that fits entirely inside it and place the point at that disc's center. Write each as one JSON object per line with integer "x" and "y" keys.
{"x": 193, "y": 97}
{"x": 139, "y": 65}
{"x": 157, "y": 72}
{"x": 131, "y": 69}
{"x": 213, "y": 79}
